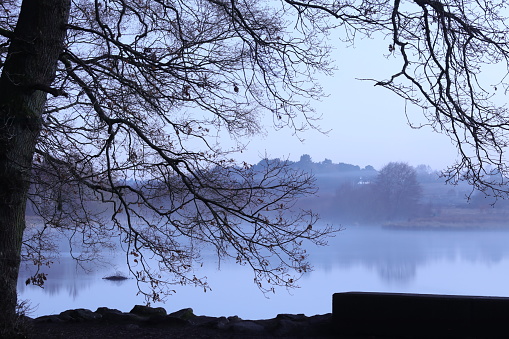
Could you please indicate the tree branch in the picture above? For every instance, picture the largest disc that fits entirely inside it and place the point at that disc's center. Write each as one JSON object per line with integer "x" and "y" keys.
{"x": 6, "y": 33}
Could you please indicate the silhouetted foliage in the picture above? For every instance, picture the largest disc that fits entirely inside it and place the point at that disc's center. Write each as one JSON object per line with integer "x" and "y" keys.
{"x": 397, "y": 191}
{"x": 393, "y": 194}
{"x": 356, "y": 203}
{"x": 453, "y": 64}
{"x": 120, "y": 104}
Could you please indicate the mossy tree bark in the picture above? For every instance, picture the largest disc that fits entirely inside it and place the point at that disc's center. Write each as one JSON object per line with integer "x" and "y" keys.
{"x": 29, "y": 70}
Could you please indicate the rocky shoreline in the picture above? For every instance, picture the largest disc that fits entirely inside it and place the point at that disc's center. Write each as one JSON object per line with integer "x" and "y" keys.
{"x": 185, "y": 322}
{"x": 354, "y": 315}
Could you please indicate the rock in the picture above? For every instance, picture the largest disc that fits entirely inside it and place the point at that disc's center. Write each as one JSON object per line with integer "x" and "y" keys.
{"x": 105, "y": 310}
{"x": 113, "y": 315}
{"x": 148, "y": 311}
{"x": 234, "y": 318}
{"x": 321, "y": 323}
{"x": 65, "y": 317}
{"x": 80, "y": 314}
{"x": 116, "y": 278}
{"x": 292, "y": 317}
{"x": 185, "y": 314}
{"x": 49, "y": 319}
{"x": 222, "y": 323}
{"x": 320, "y": 319}
{"x": 246, "y": 327}
{"x": 156, "y": 319}
{"x": 269, "y": 324}
{"x": 169, "y": 320}
{"x": 210, "y": 322}
{"x": 286, "y": 327}
{"x": 119, "y": 317}
{"x": 205, "y": 321}
{"x": 131, "y": 327}
{"x": 290, "y": 325}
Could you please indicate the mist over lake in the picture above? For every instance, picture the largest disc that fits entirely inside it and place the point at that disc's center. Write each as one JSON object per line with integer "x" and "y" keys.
{"x": 359, "y": 258}
{"x": 402, "y": 230}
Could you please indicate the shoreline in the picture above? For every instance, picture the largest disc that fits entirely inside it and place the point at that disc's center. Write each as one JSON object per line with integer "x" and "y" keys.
{"x": 355, "y": 315}
{"x": 148, "y": 322}
{"x": 412, "y": 226}
{"x": 456, "y": 219}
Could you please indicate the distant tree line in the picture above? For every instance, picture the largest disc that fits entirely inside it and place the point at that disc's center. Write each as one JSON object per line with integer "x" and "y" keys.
{"x": 350, "y": 193}
{"x": 329, "y": 175}
{"x": 394, "y": 194}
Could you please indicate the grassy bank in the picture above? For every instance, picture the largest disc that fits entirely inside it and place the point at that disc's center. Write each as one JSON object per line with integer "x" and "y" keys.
{"x": 458, "y": 218}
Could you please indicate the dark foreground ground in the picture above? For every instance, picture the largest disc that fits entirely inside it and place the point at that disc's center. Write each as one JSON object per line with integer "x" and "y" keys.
{"x": 381, "y": 315}
{"x": 146, "y": 322}
{"x": 101, "y": 330}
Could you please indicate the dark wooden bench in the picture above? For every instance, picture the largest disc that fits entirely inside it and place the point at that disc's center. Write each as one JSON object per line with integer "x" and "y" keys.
{"x": 401, "y": 315}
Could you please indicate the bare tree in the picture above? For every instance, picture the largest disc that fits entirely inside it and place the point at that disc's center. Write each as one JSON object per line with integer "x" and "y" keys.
{"x": 454, "y": 65}
{"x": 397, "y": 190}
{"x": 113, "y": 116}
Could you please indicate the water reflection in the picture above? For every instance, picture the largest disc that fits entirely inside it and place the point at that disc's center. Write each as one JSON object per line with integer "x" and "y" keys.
{"x": 399, "y": 272}
{"x": 359, "y": 258}
{"x": 397, "y": 254}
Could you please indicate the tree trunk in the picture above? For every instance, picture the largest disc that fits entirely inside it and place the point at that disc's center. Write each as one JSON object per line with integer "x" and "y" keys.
{"x": 27, "y": 74}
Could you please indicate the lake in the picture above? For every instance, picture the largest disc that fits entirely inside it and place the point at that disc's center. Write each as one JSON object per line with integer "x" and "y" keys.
{"x": 361, "y": 258}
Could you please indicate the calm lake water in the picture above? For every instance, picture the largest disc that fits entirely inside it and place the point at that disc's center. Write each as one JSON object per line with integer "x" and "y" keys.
{"x": 357, "y": 259}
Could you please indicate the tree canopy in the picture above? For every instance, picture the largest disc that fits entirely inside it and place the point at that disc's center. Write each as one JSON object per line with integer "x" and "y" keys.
{"x": 397, "y": 189}
{"x": 120, "y": 111}
{"x": 148, "y": 87}
{"x": 453, "y": 58}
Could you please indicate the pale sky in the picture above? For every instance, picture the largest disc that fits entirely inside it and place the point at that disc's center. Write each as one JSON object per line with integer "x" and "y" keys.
{"x": 368, "y": 123}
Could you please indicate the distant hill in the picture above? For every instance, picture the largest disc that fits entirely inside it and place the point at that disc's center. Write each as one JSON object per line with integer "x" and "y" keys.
{"x": 439, "y": 204}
